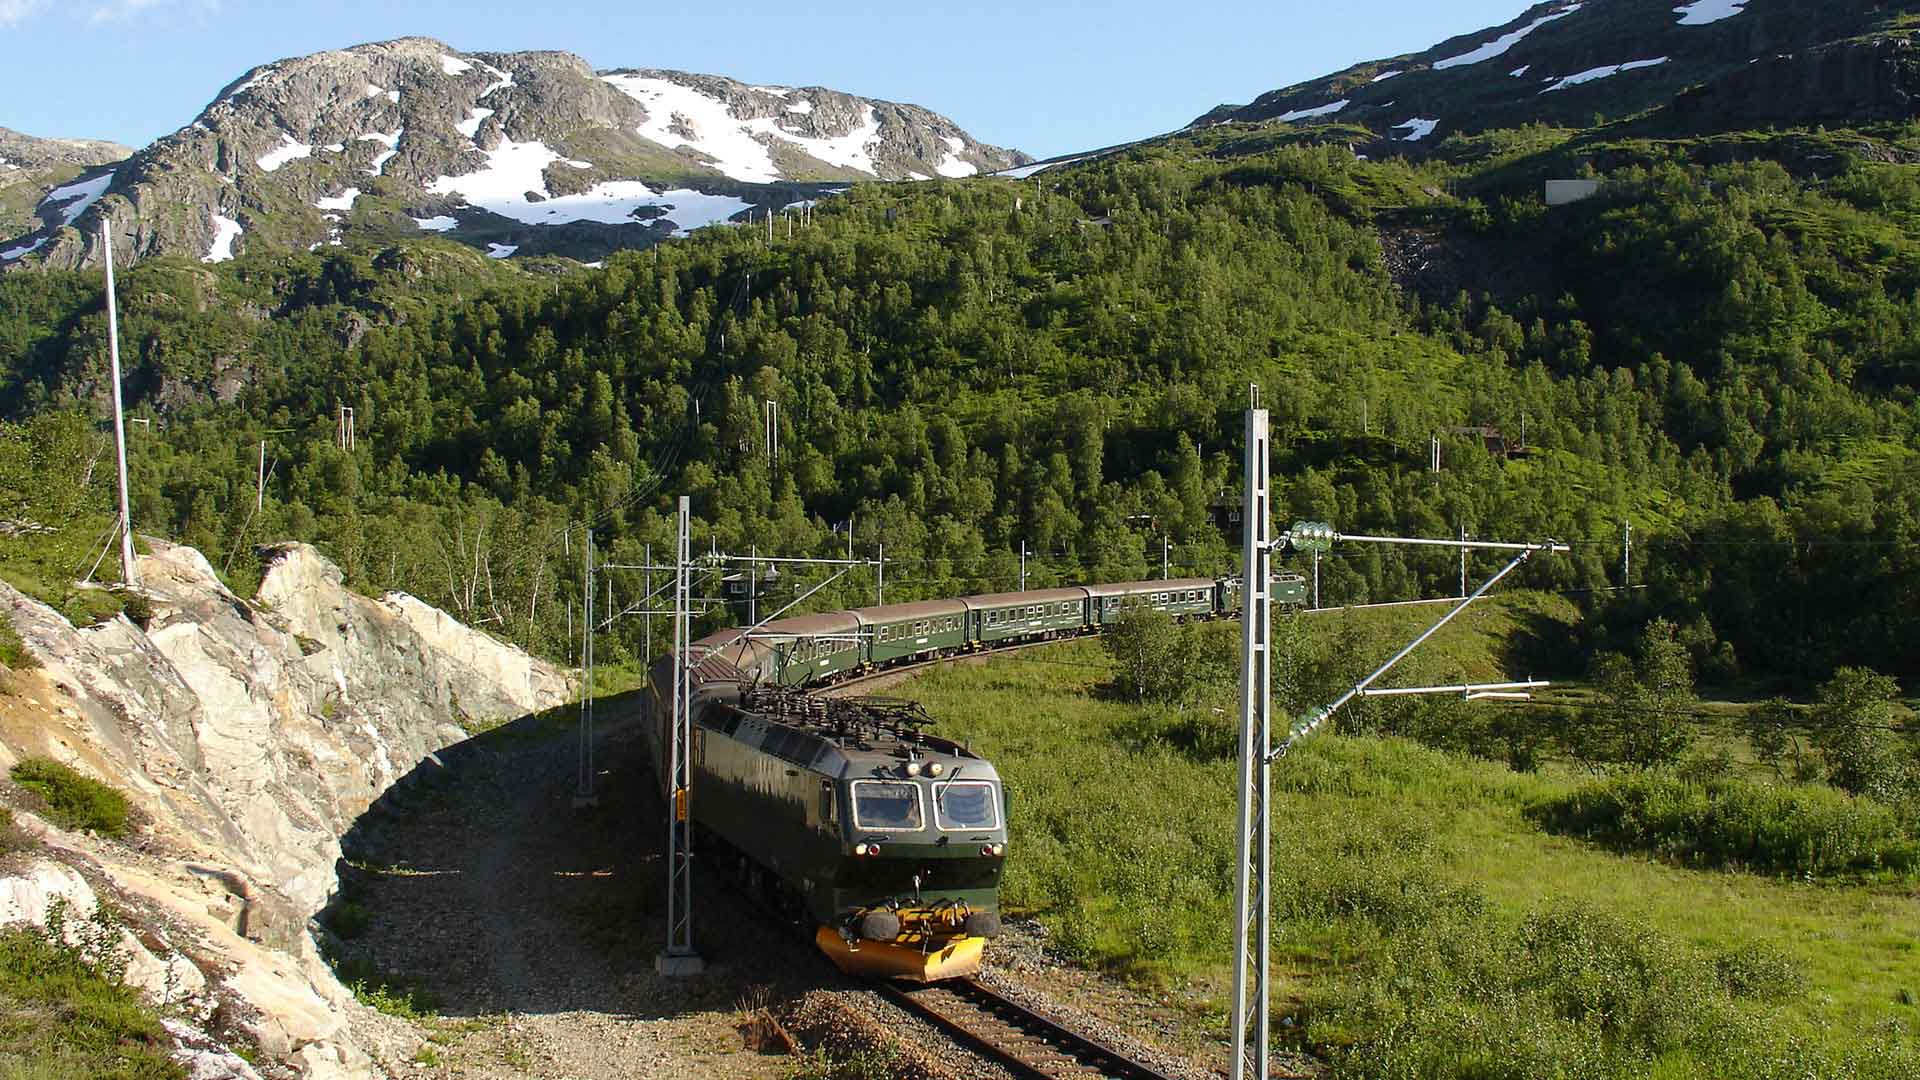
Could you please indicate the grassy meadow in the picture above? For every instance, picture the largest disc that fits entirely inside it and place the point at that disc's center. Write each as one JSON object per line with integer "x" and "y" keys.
{"x": 1428, "y": 923}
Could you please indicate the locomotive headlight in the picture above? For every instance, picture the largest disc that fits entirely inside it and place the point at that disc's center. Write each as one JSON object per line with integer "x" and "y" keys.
{"x": 861, "y": 849}
{"x": 913, "y": 768}
{"x": 993, "y": 851}
{"x": 934, "y": 768}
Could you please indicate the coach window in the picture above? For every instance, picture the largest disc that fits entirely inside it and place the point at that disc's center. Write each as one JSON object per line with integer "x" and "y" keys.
{"x": 887, "y": 806}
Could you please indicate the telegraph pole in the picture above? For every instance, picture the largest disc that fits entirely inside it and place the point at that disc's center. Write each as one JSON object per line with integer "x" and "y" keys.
{"x": 260, "y": 489}
{"x": 880, "y": 578}
{"x": 1023, "y": 566}
{"x": 1251, "y": 928}
{"x": 1626, "y": 555}
{"x": 1252, "y": 932}
{"x": 1165, "y": 549}
{"x": 584, "y": 796}
{"x": 680, "y": 957}
{"x": 127, "y": 572}
{"x": 1463, "y": 560}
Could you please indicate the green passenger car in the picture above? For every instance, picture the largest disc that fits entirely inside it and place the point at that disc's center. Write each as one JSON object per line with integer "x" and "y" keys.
{"x": 809, "y": 648}
{"x": 1183, "y": 597}
{"x": 901, "y": 631}
{"x": 1006, "y": 616}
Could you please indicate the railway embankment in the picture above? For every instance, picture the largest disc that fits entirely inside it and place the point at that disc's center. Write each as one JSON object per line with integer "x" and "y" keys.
{"x": 246, "y": 737}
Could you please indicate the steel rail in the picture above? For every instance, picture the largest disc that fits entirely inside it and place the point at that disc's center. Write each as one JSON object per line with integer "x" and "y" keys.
{"x": 971, "y": 1011}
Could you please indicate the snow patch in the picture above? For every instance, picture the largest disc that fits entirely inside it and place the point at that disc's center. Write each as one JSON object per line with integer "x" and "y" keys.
{"x": 950, "y": 163}
{"x": 78, "y": 196}
{"x": 374, "y": 91}
{"x": 803, "y": 107}
{"x": 1021, "y": 172}
{"x": 739, "y": 148}
{"x": 378, "y": 165}
{"x": 501, "y": 80}
{"x": 453, "y": 65}
{"x": 438, "y": 223}
{"x": 1385, "y": 75}
{"x": 515, "y": 169}
{"x": 470, "y": 127}
{"x": 334, "y": 148}
{"x": 918, "y": 176}
{"x": 1521, "y": 70}
{"x": 342, "y": 201}
{"x": 501, "y": 251}
{"x": 1317, "y": 111}
{"x": 1709, "y": 11}
{"x": 288, "y": 150}
{"x": 1498, "y": 46}
{"x": 1607, "y": 72}
{"x": 25, "y": 249}
{"x": 225, "y": 232}
{"x": 1418, "y": 129}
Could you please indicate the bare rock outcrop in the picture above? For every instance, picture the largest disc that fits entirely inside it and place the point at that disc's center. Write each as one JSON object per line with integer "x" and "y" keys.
{"x": 248, "y": 735}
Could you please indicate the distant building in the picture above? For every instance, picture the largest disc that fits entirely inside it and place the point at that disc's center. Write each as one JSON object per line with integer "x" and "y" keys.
{"x": 1562, "y": 192}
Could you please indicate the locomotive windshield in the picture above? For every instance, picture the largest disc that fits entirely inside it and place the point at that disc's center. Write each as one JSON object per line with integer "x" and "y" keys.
{"x": 885, "y": 804}
{"x": 965, "y": 804}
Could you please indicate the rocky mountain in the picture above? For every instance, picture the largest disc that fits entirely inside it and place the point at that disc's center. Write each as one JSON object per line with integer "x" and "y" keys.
{"x": 32, "y": 170}
{"x": 520, "y": 153}
{"x": 1726, "y": 63}
{"x": 248, "y": 736}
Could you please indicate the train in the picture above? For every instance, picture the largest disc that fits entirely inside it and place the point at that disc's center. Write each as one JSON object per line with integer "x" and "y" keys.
{"x": 849, "y": 812}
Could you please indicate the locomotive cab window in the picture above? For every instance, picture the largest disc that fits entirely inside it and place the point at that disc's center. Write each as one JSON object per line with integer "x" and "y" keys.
{"x": 964, "y": 805}
{"x": 887, "y": 805}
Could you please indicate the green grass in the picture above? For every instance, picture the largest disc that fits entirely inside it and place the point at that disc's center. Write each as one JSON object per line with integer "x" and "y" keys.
{"x": 13, "y": 839}
{"x": 74, "y": 801}
{"x": 383, "y": 991}
{"x": 1803, "y": 829}
{"x": 13, "y": 651}
{"x": 46, "y": 566}
{"x": 1427, "y": 926}
{"x": 62, "y": 1017}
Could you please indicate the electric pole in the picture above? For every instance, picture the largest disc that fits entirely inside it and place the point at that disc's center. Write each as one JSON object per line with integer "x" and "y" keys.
{"x": 127, "y": 572}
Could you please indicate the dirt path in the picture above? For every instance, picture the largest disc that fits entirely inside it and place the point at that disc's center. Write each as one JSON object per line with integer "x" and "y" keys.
{"x": 530, "y": 927}
{"x": 527, "y": 928}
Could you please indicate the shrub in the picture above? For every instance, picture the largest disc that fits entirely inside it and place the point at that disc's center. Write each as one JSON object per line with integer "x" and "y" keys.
{"x": 73, "y": 801}
{"x": 1735, "y": 823}
{"x": 12, "y": 839}
{"x": 71, "y": 1016}
{"x": 13, "y": 651}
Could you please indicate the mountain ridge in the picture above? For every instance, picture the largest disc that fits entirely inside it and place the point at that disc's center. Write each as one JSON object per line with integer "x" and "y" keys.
{"x": 1564, "y": 63}
{"x": 522, "y": 152}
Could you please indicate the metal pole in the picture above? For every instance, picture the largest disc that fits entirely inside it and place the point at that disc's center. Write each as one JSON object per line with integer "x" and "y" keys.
{"x": 880, "y": 579}
{"x": 679, "y": 957}
{"x": 1463, "y": 560}
{"x": 647, "y": 646}
{"x": 1252, "y": 943}
{"x": 1313, "y": 720}
{"x": 260, "y": 489}
{"x": 1626, "y": 555}
{"x": 583, "y": 795}
{"x": 127, "y": 572}
{"x": 1023, "y": 566}
{"x": 1316, "y": 579}
{"x": 753, "y": 583}
{"x": 1164, "y": 550}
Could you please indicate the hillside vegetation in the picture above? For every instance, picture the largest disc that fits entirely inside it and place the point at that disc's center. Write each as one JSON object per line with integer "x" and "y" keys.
{"x": 1717, "y": 351}
{"x": 1433, "y": 917}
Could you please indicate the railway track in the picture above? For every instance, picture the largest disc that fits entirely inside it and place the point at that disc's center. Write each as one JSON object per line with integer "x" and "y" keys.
{"x": 1030, "y": 1045}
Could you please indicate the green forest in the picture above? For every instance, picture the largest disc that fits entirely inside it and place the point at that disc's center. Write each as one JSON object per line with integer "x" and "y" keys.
{"x": 1719, "y": 350}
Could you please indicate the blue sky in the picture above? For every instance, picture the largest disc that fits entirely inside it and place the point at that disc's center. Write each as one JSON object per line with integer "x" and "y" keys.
{"x": 1045, "y": 77}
